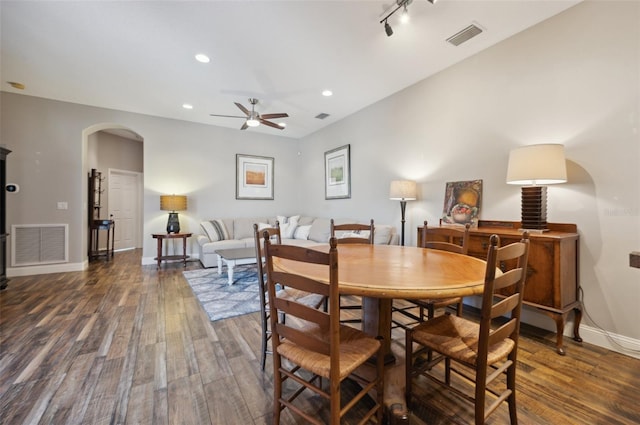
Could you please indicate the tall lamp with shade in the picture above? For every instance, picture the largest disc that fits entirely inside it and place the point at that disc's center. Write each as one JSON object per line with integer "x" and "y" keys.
{"x": 403, "y": 191}
{"x": 534, "y": 167}
{"x": 173, "y": 203}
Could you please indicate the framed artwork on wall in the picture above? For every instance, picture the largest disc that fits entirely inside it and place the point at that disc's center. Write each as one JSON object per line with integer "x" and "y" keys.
{"x": 462, "y": 202}
{"x": 337, "y": 173}
{"x": 254, "y": 177}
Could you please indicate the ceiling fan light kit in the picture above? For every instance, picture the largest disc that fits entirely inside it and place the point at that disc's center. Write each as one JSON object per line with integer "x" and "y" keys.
{"x": 253, "y": 118}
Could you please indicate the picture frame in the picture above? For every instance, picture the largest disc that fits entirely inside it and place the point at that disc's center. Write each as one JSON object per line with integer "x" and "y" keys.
{"x": 337, "y": 173}
{"x": 254, "y": 177}
{"x": 462, "y": 202}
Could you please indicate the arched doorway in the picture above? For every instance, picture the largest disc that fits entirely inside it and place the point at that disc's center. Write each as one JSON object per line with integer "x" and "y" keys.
{"x": 116, "y": 151}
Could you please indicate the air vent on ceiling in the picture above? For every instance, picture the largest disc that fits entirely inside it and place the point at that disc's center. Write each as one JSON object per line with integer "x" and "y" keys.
{"x": 322, "y": 116}
{"x": 464, "y": 35}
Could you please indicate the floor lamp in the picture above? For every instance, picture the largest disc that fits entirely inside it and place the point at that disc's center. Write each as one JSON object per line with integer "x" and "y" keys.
{"x": 403, "y": 191}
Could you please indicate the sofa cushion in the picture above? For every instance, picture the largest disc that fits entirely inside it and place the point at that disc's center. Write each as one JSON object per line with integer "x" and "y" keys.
{"x": 215, "y": 230}
{"x": 243, "y": 227}
{"x": 320, "y": 230}
{"x": 382, "y": 234}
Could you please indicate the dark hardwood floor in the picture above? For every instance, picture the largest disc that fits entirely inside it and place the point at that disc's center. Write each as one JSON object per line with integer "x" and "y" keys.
{"x": 123, "y": 343}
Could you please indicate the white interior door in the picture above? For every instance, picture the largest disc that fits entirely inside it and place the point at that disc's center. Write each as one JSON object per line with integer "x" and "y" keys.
{"x": 125, "y": 188}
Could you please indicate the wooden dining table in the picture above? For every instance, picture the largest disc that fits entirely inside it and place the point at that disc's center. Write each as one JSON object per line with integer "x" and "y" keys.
{"x": 382, "y": 273}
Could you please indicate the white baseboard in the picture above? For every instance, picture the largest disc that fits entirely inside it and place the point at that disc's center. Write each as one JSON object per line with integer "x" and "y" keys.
{"x": 611, "y": 341}
{"x": 45, "y": 269}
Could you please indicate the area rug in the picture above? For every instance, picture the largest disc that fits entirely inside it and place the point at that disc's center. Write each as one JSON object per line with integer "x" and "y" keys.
{"x": 221, "y": 300}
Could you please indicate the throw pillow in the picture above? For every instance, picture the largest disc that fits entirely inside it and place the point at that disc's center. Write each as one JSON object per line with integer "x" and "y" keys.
{"x": 302, "y": 232}
{"x": 288, "y": 226}
{"x": 215, "y": 230}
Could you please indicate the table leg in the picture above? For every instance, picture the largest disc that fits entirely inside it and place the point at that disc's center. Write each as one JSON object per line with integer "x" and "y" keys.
{"x": 230, "y": 265}
{"x": 184, "y": 250}
{"x": 219, "y": 263}
{"x": 159, "y": 251}
{"x": 376, "y": 321}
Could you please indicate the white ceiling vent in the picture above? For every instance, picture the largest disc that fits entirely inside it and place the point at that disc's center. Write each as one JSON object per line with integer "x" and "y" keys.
{"x": 322, "y": 116}
{"x": 464, "y": 35}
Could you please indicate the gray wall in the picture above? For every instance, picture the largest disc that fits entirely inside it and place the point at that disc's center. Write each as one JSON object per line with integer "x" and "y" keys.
{"x": 573, "y": 79}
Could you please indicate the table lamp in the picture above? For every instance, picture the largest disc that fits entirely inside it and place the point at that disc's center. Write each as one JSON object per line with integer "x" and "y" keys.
{"x": 403, "y": 191}
{"x": 173, "y": 203}
{"x": 534, "y": 167}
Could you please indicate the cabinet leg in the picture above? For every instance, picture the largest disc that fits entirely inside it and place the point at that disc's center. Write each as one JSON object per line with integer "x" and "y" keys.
{"x": 577, "y": 310}
{"x": 559, "y": 318}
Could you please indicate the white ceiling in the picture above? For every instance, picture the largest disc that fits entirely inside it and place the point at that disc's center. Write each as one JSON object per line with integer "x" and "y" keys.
{"x": 138, "y": 56}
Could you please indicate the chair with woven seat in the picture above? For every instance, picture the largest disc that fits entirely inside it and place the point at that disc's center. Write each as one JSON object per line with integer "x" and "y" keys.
{"x": 313, "y": 345}
{"x": 477, "y": 352}
{"x": 312, "y": 300}
{"x": 352, "y": 233}
{"x": 451, "y": 239}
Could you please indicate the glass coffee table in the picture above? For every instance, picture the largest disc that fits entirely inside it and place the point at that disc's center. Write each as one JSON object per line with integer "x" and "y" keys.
{"x": 235, "y": 257}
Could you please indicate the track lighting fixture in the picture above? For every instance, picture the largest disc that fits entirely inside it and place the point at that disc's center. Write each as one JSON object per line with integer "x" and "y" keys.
{"x": 405, "y": 14}
{"x": 404, "y": 18}
{"x": 388, "y": 29}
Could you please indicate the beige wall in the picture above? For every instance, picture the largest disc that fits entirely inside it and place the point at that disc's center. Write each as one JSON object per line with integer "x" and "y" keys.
{"x": 573, "y": 79}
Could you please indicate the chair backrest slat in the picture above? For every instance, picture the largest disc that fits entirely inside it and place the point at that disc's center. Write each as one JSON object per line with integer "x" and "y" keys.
{"x": 456, "y": 239}
{"x": 352, "y": 227}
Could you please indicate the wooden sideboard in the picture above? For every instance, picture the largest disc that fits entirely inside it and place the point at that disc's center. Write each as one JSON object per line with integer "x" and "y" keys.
{"x": 552, "y": 284}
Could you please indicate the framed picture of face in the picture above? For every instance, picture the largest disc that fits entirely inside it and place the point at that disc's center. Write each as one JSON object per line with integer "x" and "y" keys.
{"x": 254, "y": 177}
{"x": 337, "y": 173}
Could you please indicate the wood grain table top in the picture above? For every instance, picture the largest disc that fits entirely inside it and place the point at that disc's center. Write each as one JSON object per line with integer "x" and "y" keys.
{"x": 391, "y": 271}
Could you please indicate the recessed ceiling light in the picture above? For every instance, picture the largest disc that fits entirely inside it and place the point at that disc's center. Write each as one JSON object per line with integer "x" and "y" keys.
{"x": 327, "y": 93}
{"x": 282, "y": 124}
{"x": 200, "y": 57}
{"x": 187, "y": 106}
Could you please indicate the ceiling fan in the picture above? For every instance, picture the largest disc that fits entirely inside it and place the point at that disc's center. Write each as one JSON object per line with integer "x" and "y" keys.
{"x": 254, "y": 119}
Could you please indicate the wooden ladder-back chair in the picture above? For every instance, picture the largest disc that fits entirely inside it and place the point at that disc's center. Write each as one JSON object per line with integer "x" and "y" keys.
{"x": 312, "y": 300}
{"x": 353, "y": 233}
{"x": 451, "y": 239}
{"x": 314, "y": 342}
{"x": 483, "y": 352}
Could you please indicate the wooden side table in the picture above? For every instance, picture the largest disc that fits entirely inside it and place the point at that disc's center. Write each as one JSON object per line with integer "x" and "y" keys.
{"x": 94, "y": 238}
{"x": 162, "y": 236}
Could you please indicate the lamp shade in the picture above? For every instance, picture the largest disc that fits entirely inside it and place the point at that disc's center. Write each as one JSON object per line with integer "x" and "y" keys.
{"x": 173, "y": 202}
{"x": 537, "y": 164}
{"x": 403, "y": 190}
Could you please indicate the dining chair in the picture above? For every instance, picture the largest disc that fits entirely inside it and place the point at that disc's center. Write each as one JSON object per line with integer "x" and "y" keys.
{"x": 313, "y": 345}
{"x": 451, "y": 239}
{"x": 485, "y": 352}
{"x": 312, "y": 300}
{"x": 352, "y": 233}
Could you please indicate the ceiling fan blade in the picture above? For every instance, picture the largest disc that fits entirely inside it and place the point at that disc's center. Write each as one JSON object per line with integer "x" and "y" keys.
{"x": 227, "y": 116}
{"x": 244, "y": 126}
{"x": 271, "y": 124}
{"x": 271, "y": 116}
{"x": 242, "y": 108}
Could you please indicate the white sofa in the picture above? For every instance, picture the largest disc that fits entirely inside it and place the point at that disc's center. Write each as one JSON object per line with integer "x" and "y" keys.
{"x": 227, "y": 233}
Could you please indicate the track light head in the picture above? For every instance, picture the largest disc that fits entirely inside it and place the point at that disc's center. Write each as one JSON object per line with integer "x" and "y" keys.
{"x": 388, "y": 29}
